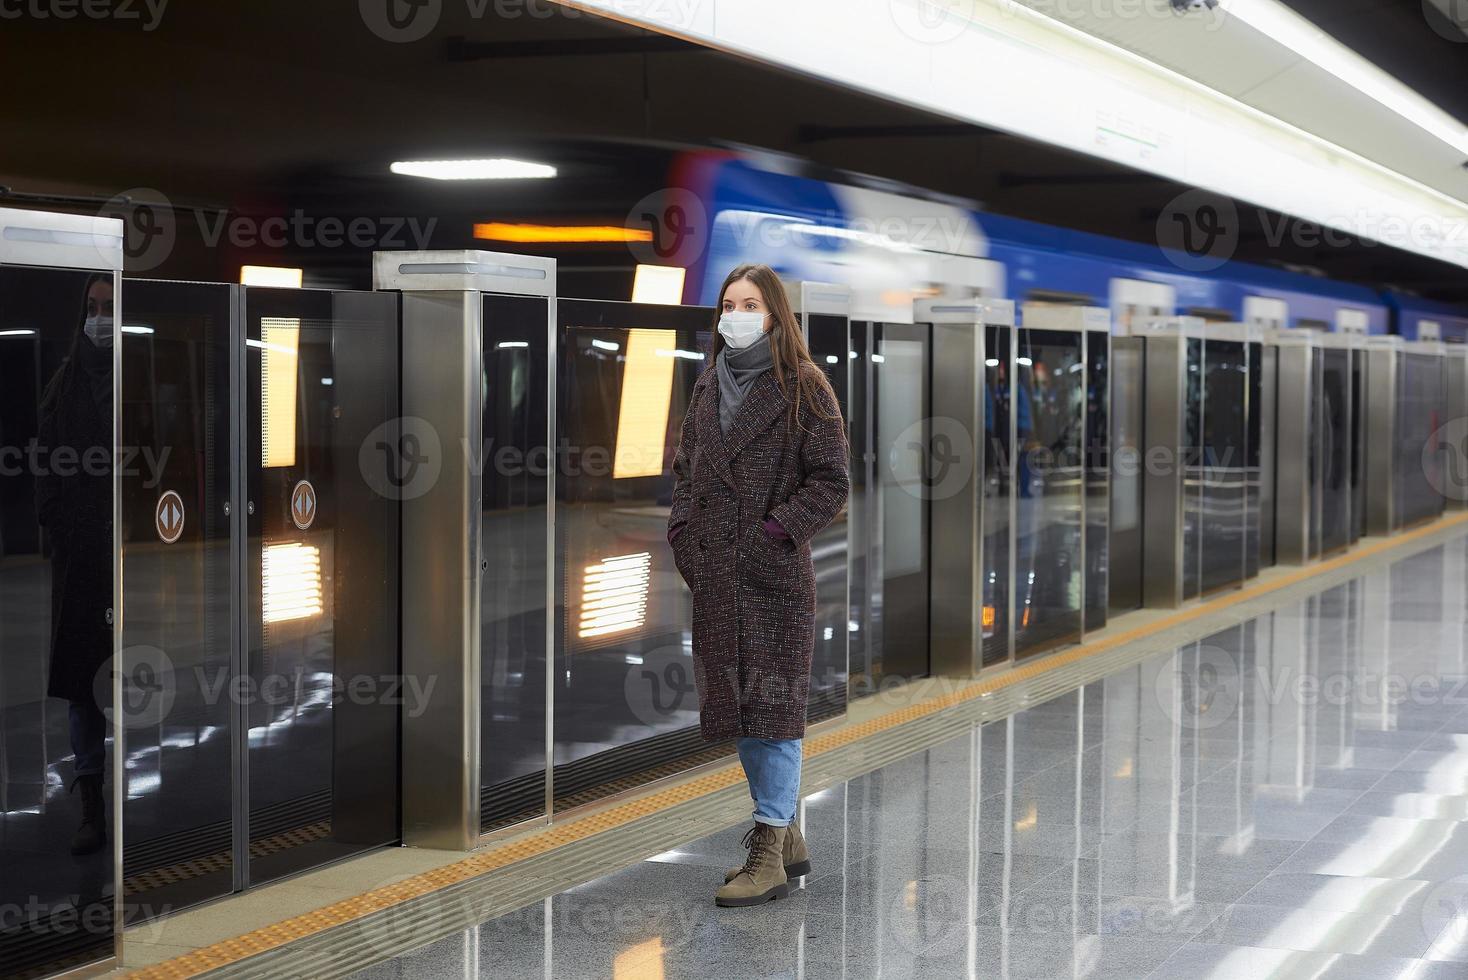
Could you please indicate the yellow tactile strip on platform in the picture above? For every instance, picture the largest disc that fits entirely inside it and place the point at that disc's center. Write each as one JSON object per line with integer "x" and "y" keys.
{"x": 579, "y": 828}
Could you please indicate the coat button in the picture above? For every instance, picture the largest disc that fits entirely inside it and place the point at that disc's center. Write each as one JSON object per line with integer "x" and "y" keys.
{"x": 703, "y": 502}
{"x": 703, "y": 543}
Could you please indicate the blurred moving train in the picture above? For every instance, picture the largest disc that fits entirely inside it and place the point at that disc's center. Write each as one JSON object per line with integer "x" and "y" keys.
{"x": 893, "y": 245}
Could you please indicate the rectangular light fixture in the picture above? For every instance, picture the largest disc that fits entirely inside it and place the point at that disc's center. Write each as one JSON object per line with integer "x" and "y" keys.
{"x": 658, "y": 284}
{"x": 614, "y": 595}
{"x": 280, "y": 339}
{"x": 642, "y": 416}
{"x": 496, "y": 168}
{"x": 290, "y": 581}
{"x": 270, "y": 275}
{"x": 500, "y": 231}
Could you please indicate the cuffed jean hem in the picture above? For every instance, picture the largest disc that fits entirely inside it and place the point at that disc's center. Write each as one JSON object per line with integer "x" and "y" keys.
{"x": 772, "y": 767}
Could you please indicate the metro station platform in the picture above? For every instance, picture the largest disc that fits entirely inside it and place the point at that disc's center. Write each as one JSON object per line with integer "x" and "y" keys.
{"x": 1271, "y": 783}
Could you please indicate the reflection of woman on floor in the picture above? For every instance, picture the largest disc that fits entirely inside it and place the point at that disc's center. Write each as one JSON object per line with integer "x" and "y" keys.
{"x": 74, "y": 505}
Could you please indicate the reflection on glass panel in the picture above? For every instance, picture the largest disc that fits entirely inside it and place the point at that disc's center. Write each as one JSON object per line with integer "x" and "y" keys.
{"x": 1193, "y": 470}
{"x": 998, "y": 485}
{"x": 1050, "y": 409}
{"x": 1097, "y": 469}
{"x": 1418, "y": 458}
{"x": 1358, "y": 444}
{"x": 1253, "y": 461}
{"x": 56, "y": 581}
{"x": 512, "y": 634}
{"x": 861, "y": 503}
{"x": 1335, "y": 499}
{"x": 626, "y": 708}
{"x": 321, "y": 578}
{"x": 177, "y": 588}
{"x": 1225, "y": 453}
{"x": 827, "y": 337}
{"x": 1124, "y": 581}
{"x": 901, "y": 439}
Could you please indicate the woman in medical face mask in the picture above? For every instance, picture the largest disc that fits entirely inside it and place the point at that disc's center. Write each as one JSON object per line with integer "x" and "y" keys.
{"x": 761, "y": 468}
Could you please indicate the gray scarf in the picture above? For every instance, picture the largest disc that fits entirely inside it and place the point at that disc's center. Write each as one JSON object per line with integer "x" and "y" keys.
{"x": 738, "y": 371}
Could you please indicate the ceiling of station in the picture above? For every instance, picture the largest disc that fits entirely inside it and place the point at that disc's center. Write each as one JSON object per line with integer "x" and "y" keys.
{"x": 1222, "y": 51}
{"x": 282, "y": 104}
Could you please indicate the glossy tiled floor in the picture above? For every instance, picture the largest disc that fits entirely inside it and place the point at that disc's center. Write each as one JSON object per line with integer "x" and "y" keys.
{"x": 1285, "y": 799}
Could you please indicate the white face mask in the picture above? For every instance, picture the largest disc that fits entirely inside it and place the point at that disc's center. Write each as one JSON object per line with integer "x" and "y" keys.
{"x": 99, "y": 330}
{"x": 740, "y": 329}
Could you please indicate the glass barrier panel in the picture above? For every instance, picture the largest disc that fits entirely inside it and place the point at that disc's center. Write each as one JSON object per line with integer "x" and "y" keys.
{"x": 828, "y": 339}
{"x": 998, "y": 467}
{"x": 1097, "y": 474}
{"x": 178, "y": 591}
{"x": 1335, "y": 433}
{"x": 1124, "y": 581}
{"x": 514, "y": 462}
{"x": 861, "y": 509}
{"x": 1254, "y": 461}
{"x": 1194, "y": 470}
{"x": 905, "y": 468}
{"x": 1224, "y": 461}
{"x": 1050, "y": 415}
{"x": 56, "y": 639}
{"x": 626, "y": 708}
{"x": 323, "y": 670}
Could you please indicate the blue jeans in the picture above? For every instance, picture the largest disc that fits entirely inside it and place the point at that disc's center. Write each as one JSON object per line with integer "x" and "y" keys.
{"x": 88, "y": 738}
{"x": 772, "y": 766}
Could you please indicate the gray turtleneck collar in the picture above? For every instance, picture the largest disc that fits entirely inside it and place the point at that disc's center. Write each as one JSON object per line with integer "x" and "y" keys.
{"x": 738, "y": 370}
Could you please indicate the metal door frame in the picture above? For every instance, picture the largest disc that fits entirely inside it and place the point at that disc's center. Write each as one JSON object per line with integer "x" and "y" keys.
{"x": 89, "y": 243}
{"x": 442, "y": 293}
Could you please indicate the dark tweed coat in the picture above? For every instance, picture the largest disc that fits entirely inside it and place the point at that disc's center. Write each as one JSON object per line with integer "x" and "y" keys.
{"x": 753, "y": 595}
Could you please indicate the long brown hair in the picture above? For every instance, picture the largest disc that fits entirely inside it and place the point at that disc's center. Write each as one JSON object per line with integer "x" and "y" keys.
{"x": 792, "y": 363}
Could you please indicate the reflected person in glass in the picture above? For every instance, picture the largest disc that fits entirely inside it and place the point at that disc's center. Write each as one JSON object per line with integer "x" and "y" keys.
{"x": 761, "y": 468}
{"x": 74, "y": 505}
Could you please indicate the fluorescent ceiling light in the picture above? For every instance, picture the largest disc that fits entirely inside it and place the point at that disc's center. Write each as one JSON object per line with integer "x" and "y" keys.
{"x": 17, "y": 333}
{"x": 136, "y": 328}
{"x": 1276, "y": 21}
{"x": 497, "y": 168}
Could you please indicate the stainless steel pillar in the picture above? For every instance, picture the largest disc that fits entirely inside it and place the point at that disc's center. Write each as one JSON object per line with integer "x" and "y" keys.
{"x": 1296, "y": 472}
{"x": 442, "y": 552}
{"x": 956, "y": 506}
{"x": 1380, "y": 415}
{"x": 1165, "y": 456}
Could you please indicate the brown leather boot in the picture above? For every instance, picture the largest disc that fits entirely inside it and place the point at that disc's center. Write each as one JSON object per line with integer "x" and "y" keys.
{"x": 795, "y": 855}
{"x": 762, "y": 878}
